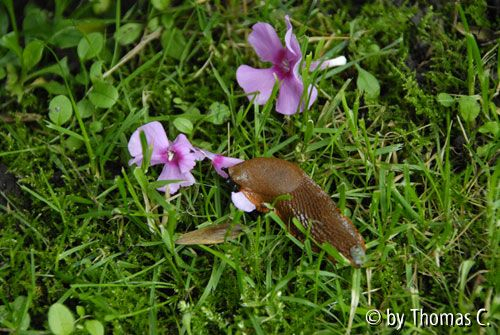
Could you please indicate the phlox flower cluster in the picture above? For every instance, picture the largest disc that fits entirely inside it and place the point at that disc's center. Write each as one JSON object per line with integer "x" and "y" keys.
{"x": 179, "y": 157}
{"x": 285, "y": 69}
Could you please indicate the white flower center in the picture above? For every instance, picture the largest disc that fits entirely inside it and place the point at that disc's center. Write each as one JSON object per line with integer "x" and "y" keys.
{"x": 285, "y": 65}
{"x": 170, "y": 155}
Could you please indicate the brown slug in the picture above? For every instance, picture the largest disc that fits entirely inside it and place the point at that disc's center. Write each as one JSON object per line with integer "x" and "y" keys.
{"x": 262, "y": 180}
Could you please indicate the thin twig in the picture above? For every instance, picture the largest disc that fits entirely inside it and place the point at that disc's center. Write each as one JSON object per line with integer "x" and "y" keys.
{"x": 144, "y": 41}
{"x": 23, "y": 117}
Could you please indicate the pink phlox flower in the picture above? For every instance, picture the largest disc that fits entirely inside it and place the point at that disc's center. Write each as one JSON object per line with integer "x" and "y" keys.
{"x": 220, "y": 163}
{"x": 285, "y": 68}
{"x": 178, "y": 157}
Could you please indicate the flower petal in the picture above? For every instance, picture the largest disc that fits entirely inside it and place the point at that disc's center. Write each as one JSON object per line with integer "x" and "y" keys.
{"x": 289, "y": 95}
{"x": 338, "y": 61}
{"x": 265, "y": 42}
{"x": 181, "y": 141}
{"x": 155, "y": 137}
{"x": 222, "y": 162}
{"x": 207, "y": 154}
{"x": 242, "y": 202}
{"x": 172, "y": 172}
{"x": 254, "y": 80}
{"x": 184, "y": 153}
{"x": 292, "y": 45}
{"x": 199, "y": 154}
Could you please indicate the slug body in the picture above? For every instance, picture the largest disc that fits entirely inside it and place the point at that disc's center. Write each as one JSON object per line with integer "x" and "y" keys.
{"x": 262, "y": 180}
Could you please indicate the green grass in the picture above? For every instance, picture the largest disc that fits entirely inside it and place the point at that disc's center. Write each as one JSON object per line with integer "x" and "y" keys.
{"x": 418, "y": 176}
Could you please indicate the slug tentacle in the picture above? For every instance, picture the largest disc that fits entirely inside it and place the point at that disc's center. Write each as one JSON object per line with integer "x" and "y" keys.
{"x": 264, "y": 179}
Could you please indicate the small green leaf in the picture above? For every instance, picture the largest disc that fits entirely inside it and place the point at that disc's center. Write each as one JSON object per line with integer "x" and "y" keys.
{"x": 218, "y": 113}
{"x": 160, "y": 4}
{"x": 192, "y": 113}
{"x": 128, "y": 33}
{"x": 153, "y": 24}
{"x": 80, "y": 310}
{"x": 487, "y": 150}
{"x": 13, "y": 84}
{"x": 445, "y": 99}
{"x": 73, "y": 143}
{"x": 32, "y": 54}
{"x": 65, "y": 34}
{"x": 61, "y": 321}
{"x": 374, "y": 48}
{"x": 60, "y": 110}
{"x": 36, "y": 22}
{"x": 183, "y": 125}
{"x": 100, "y": 6}
{"x": 82, "y": 78}
{"x": 490, "y": 127}
{"x": 19, "y": 305}
{"x": 468, "y": 108}
{"x": 90, "y": 46}
{"x": 53, "y": 87}
{"x": 94, "y": 327}
{"x": 173, "y": 42}
{"x": 10, "y": 42}
{"x": 103, "y": 95}
{"x": 96, "y": 71}
{"x": 367, "y": 83}
{"x": 96, "y": 126}
{"x": 167, "y": 20}
{"x": 84, "y": 108}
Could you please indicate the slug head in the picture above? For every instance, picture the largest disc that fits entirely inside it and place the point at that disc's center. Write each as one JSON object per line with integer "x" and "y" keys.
{"x": 232, "y": 185}
{"x": 268, "y": 177}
